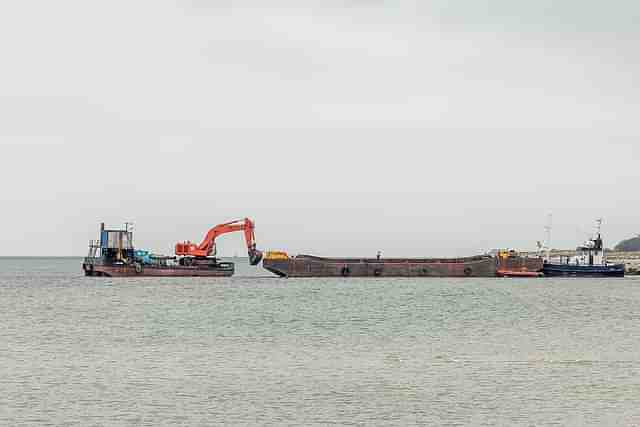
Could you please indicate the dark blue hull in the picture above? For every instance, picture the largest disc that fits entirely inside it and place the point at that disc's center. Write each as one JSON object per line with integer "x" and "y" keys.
{"x": 566, "y": 270}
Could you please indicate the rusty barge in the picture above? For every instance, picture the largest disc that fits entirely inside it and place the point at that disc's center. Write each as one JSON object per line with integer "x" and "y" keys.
{"x": 311, "y": 266}
{"x": 503, "y": 265}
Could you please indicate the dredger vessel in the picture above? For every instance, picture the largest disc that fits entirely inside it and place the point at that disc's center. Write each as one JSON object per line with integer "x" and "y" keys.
{"x": 114, "y": 255}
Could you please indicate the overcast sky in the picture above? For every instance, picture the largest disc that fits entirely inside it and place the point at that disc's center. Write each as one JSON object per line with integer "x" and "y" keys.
{"x": 341, "y": 127}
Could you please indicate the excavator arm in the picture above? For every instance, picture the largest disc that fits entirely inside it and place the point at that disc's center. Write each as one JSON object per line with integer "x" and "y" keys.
{"x": 205, "y": 248}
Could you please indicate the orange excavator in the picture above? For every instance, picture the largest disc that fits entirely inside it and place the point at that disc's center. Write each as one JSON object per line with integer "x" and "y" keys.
{"x": 208, "y": 245}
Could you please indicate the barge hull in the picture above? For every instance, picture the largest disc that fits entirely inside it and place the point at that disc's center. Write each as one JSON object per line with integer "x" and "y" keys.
{"x": 310, "y": 266}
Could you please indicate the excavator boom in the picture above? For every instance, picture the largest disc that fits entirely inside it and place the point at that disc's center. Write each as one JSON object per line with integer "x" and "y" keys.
{"x": 205, "y": 248}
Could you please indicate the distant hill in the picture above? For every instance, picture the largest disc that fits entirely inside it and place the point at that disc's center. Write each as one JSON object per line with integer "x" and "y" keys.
{"x": 629, "y": 245}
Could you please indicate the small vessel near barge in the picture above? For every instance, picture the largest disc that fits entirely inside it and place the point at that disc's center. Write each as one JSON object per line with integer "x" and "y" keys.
{"x": 590, "y": 261}
{"x": 512, "y": 264}
{"x": 114, "y": 255}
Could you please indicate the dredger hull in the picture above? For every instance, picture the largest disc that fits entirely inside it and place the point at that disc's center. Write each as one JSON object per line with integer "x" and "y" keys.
{"x": 96, "y": 269}
{"x": 311, "y": 266}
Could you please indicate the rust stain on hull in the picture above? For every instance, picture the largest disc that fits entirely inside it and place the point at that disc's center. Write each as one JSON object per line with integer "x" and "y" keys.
{"x": 520, "y": 266}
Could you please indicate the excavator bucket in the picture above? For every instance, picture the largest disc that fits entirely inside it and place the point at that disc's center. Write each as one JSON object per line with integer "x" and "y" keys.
{"x": 255, "y": 256}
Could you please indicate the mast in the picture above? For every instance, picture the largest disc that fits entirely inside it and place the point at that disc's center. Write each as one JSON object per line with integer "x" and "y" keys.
{"x": 547, "y": 244}
{"x": 599, "y": 238}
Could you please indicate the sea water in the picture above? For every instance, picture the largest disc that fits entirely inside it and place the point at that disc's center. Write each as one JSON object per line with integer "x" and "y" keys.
{"x": 259, "y": 350}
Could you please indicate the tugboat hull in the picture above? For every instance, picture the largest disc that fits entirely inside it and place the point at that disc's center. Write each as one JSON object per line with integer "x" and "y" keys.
{"x": 565, "y": 270}
{"x": 310, "y": 266}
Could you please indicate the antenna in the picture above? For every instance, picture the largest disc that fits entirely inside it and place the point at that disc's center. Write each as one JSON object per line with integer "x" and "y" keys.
{"x": 547, "y": 229}
{"x": 128, "y": 228}
{"x": 599, "y": 222}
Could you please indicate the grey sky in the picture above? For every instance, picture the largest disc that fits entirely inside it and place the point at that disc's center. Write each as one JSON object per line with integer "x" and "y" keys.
{"x": 417, "y": 128}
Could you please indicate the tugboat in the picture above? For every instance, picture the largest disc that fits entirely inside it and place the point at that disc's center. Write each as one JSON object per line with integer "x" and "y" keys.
{"x": 114, "y": 255}
{"x": 590, "y": 261}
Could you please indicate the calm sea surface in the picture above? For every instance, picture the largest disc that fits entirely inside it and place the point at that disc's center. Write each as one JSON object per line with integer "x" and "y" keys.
{"x": 255, "y": 350}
